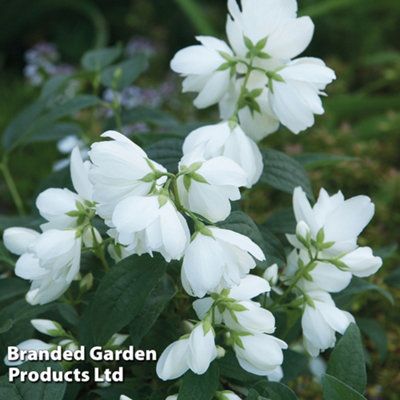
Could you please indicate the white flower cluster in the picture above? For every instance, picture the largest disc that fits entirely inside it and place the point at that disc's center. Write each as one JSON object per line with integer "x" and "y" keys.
{"x": 257, "y": 77}
{"x": 325, "y": 258}
{"x": 257, "y": 84}
{"x": 51, "y": 259}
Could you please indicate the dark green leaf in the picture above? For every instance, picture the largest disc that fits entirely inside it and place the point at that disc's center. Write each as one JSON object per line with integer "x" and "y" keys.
{"x": 149, "y": 115}
{"x": 376, "y": 333}
{"x": 28, "y": 221}
{"x": 12, "y": 287}
{"x": 95, "y": 60}
{"x": 281, "y": 221}
{"x": 386, "y": 252}
{"x": 275, "y": 390}
{"x": 200, "y": 387}
{"x": 293, "y": 365}
{"x": 275, "y": 252}
{"x": 316, "y": 160}
{"x": 393, "y": 279}
{"x": 284, "y": 173}
{"x": 33, "y": 390}
{"x": 120, "y": 297}
{"x": 127, "y": 71}
{"x": 128, "y": 388}
{"x": 21, "y": 124}
{"x": 230, "y": 368}
{"x": 167, "y": 152}
{"x": 334, "y": 389}
{"x": 358, "y": 285}
{"x": 155, "y": 304}
{"x": 54, "y": 132}
{"x": 53, "y": 85}
{"x": 347, "y": 362}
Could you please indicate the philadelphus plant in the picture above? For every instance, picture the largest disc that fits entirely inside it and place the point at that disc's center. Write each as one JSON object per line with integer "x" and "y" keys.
{"x": 185, "y": 215}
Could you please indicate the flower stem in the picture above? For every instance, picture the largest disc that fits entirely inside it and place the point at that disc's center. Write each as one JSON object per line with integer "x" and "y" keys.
{"x": 11, "y": 186}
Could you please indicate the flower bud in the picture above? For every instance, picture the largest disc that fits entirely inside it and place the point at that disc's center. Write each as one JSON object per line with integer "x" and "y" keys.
{"x": 220, "y": 352}
{"x": 117, "y": 339}
{"x": 271, "y": 274}
{"x": 172, "y": 397}
{"x": 86, "y": 283}
{"x": 226, "y": 395}
{"x": 303, "y": 233}
{"x": 123, "y": 397}
{"x": 48, "y": 327}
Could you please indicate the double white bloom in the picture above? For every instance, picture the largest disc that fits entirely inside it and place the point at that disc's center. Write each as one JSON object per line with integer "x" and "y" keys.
{"x": 217, "y": 258}
{"x": 206, "y": 187}
{"x": 195, "y": 351}
{"x": 268, "y": 35}
{"x": 151, "y": 223}
{"x": 341, "y": 221}
{"x": 228, "y": 141}
{"x": 51, "y": 260}
{"x": 321, "y": 322}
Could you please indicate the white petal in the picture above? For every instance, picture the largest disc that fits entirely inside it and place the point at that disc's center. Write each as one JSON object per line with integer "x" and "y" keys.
{"x": 303, "y": 210}
{"x": 330, "y": 278}
{"x": 80, "y": 175}
{"x": 361, "y": 262}
{"x": 17, "y": 240}
{"x": 250, "y": 286}
{"x": 173, "y": 360}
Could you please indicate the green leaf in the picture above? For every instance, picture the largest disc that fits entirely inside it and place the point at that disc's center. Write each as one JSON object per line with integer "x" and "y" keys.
{"x": 275, "y": 390}
{"x": 28, "y": 221}
{"x": 281, "y": 221}
{"x": 155, "y": 304}
{"x": 393, "y": 279}
{"x": 53, "y": 85}
{"x": 128, "y": 388}
{"x": 357, "y": 286}
{"x": 33, "y": 390}
{"x": 149, "y": 115}
{"x": 129, "y": 71}
{"x": 200, "y": 387}
{"x": 12, "y": 287}
{"x": 54, "y": 132}
{"x": 347, "y": 361}
{"x": 334, "y": 389}
{"x": 121, "y": 295}
{"x": 20, "y": 132}
{"x": 317, "y": 160}
{"x": 167, "y": 152}
{"x": 376, "y": 333}
{"x": 95, "y": 60}
{"x": 230, "y": 368}
{"x": 21, "y": 124}
{"x": 293, "y": 365}
{"x": 284, "y": 173}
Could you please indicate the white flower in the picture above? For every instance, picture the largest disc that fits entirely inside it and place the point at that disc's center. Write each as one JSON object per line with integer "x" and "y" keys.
{"x": 259, "y": 354}
{"x": 248, "y": 316}
{"x": 48, "y": 327}
{"x": 275, "y": 375}
{"x": 275, "y": 20}
{"x": 123, "y": 397}
{"x": 17, "y": 240}
{"x": 118, "y": 169}
{"x": 195, "y": 352}
{"x": 341, "y": 221}
{"x": 256, "y": 123}
{"x": 200, "y": 65}
{"x": 54, "y": 204}
{"x": 208, "y": 185}
{"x": 294, "y": 92}
{"x": 172, "y": 397}
{"x": 271, "y": 274}
{"x": 227, "y": 395}
{"x": 218, "y": 258}
{"x": 222, "y": 140}
{"x": 30, "y": 344}
{"x": 117, "y": 339}
{"x": 151, "y": 223}
{"x": 321, "y": 322}
{"x": 51, "y": 262}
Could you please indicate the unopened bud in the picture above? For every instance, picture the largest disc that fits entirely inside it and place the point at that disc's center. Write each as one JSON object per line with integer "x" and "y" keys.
{"x": 48, "y": 327}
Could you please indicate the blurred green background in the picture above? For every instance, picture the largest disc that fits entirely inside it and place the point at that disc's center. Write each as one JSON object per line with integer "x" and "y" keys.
{"x": 359, "y": 39}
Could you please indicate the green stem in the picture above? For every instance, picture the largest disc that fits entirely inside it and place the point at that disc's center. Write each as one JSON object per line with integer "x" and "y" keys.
{"x": 300, "y": 274}
{"x": 99, "y": 252}
{"x": 243, "y": 88}
{"x": 11, "y": 186}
